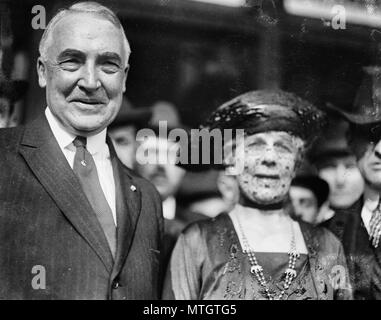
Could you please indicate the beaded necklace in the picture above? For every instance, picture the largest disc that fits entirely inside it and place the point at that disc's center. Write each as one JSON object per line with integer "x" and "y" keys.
{"x": 257, "y": 270}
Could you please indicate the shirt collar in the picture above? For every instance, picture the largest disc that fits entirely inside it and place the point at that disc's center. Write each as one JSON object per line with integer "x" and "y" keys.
{"x": 95, "y": 143}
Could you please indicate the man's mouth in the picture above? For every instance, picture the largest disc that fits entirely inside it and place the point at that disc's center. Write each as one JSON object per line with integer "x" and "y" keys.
{"x": 376, "y": 165}
{"x": 88, "y": 101}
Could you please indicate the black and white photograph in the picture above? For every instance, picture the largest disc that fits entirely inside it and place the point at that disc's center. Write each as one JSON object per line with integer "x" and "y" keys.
{"x": 190, "y": 150}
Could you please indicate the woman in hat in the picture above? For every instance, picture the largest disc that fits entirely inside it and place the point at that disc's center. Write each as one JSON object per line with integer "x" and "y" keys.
{"x": 256, "y": 251}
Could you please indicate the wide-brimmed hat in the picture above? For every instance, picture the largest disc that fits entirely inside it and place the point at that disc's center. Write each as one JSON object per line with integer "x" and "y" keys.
{"x": 255, "y": 112}
{"x": 269, "y": 110}
{"x": 131, "y": 116}
{"x": 333, "y": 142}
{"x": 366, "y": 108}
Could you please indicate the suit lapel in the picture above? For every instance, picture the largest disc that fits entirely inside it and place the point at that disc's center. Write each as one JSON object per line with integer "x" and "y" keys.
{"x": 46, "y": 160}
{"x": 128, "y": 207}
{"x": 352, "y": 227}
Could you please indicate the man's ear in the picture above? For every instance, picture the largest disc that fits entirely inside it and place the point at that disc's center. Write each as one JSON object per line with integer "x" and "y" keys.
{"x": 42, "y": 72}
{"x": 125, "y": 77}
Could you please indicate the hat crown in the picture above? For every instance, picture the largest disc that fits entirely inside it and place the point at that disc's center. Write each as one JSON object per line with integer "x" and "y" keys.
{"x": 366, "y": 108}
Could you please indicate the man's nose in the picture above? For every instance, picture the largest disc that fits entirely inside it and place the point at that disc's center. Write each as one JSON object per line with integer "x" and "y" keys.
{"x": 340, "y": 174}
{"x": 89, "y": 79}
{"x": 377, "y": 149}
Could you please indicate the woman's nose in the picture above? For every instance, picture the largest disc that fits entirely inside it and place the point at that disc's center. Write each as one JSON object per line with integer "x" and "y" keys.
{"x": 269, "y": 156}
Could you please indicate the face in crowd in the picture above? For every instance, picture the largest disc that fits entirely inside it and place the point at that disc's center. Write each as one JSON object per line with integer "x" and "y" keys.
{"x": 84, "y": 72}
{"x": 159, "y": 166}
{"x": 305, "y": 203}
{"x": 270, "y": 163}
{"x": 344, "y": 179}
{"x": 124, "y": 139}
{"x": 368, "y": 154}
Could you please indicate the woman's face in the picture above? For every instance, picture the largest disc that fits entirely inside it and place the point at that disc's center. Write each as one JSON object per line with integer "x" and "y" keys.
{"x": 269, "y": 166}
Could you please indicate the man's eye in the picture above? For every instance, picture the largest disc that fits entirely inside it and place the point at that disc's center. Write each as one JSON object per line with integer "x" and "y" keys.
{"x": 110, "y": 67}
{"x": 123, "y": 141}
{"x": 70, "y": 65}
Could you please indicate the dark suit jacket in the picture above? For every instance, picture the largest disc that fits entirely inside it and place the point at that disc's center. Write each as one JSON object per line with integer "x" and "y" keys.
{"x": 364, "y": 261}
{"x": 46, "y": 220}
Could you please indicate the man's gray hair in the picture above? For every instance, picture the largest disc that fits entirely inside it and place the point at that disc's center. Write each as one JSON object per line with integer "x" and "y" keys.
{"x": 82, "y": 7}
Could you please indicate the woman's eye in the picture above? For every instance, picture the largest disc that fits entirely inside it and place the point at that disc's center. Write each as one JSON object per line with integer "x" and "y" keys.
{"x": 284, "y": 148}
{"x": 256, "y": 144}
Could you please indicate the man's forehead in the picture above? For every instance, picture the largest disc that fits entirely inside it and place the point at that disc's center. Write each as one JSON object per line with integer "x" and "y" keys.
{"x": 335, "y": 160}
{"x": 74, "y": 28}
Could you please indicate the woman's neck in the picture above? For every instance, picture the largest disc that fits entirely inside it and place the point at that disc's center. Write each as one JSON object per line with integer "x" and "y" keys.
{"x": 258, "y": 216}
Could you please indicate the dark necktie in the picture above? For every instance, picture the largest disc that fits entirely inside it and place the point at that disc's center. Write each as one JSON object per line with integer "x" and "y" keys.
{"x": 86, "y": 171}
{"x": 375, "y": 225}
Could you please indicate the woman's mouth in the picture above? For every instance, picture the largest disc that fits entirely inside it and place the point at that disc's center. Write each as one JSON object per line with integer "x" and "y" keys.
{"x": 267, "y": 176}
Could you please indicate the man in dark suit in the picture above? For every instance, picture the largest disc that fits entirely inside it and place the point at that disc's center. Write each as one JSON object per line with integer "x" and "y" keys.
{"x": 74, "y": 222}
{"x": 359, "y": 226}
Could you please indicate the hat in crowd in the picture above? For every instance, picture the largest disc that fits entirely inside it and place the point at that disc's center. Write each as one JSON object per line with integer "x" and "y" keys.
{"x": 332, "y": 143}
{"x": 366, "y": 108}
{"x": 318, "y": 186}
{"x": 269, "y": 110}
{"x": 148, "y": 117}
{"x": 131, "y": 116}
{"x": 365, "y": 112}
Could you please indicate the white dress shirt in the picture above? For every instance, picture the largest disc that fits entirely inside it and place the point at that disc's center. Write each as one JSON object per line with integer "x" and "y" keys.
{"x": 169, "y": 208}
{"x": 99, "y": 150}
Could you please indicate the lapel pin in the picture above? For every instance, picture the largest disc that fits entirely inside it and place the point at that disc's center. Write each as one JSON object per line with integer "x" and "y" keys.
{"x": 133, "y": 188}
{"x": 83, "y": 162}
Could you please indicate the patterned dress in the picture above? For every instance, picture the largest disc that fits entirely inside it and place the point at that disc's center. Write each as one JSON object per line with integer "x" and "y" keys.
{"x": 208, "y": 263}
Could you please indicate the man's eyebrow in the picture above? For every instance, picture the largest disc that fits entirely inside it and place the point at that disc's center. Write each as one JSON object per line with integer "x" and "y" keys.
{"x": 71, "y": 53}
{"x": 110, "y": 55}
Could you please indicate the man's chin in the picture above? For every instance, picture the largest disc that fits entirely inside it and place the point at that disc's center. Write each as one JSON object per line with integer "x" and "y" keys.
{"x": 87, "y": 129}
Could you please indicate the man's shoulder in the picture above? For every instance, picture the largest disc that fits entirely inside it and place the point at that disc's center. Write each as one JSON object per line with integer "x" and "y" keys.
{"x": 344, "y": 217}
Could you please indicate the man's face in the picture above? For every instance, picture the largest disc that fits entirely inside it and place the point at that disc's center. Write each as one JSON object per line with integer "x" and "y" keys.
{"x": 369, "y": 164}
{"x": 304, "y": 203}
{"x": 269, "y": 166}
{"x": 85, "y": 73}
{"x": 344, "y": 179}
{"x": 124, "y": 143}
{"x": 165, "y": 175}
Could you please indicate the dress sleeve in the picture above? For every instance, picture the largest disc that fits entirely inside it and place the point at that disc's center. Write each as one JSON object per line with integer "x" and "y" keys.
{"x": 183, "y": 278}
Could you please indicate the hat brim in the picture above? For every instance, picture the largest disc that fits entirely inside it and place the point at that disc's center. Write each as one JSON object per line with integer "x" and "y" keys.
{"x": 355, "y": 118}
